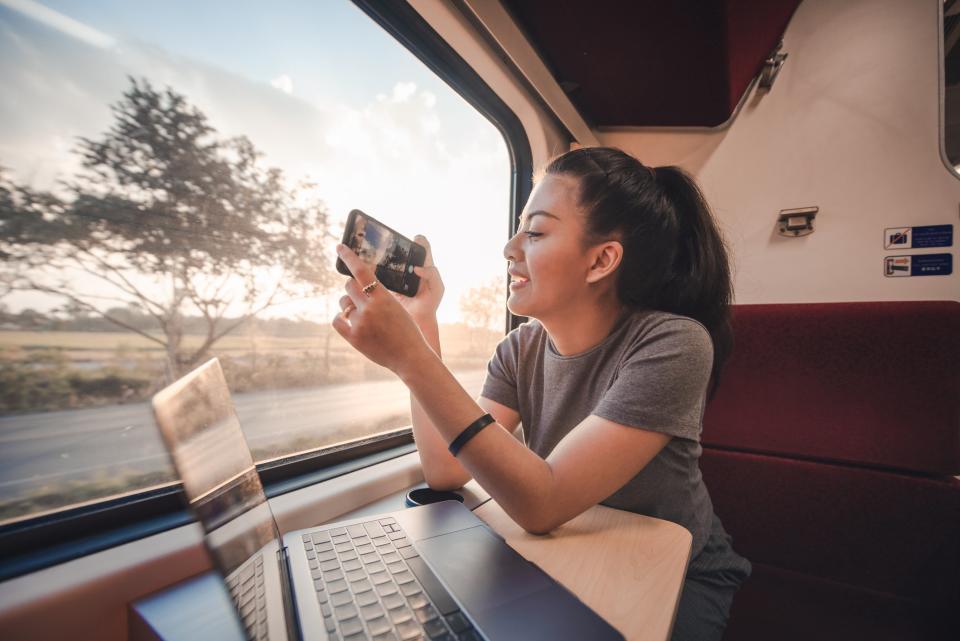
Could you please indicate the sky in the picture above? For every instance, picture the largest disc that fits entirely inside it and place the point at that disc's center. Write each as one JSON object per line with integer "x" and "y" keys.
{"x": 317, "y": 86}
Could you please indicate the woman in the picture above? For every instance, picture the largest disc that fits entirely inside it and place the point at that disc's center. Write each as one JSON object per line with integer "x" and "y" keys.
{"x": 625, "y": 277}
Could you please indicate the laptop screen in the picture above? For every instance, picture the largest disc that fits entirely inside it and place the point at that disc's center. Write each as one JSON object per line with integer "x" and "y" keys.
{"x": 202, "y": 433}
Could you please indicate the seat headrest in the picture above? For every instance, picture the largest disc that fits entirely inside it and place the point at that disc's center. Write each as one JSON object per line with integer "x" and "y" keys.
{"x": 876, "y": 384}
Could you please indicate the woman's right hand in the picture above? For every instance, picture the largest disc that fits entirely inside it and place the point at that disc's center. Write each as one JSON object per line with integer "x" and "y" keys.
{"x": 424, "y": 305}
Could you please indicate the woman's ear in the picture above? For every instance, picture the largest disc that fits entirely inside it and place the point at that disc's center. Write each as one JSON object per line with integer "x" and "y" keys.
{"x": 607, "y": 258}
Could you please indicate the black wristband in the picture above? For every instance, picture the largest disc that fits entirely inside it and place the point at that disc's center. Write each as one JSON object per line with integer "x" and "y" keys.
{"x": 470, "y": 432}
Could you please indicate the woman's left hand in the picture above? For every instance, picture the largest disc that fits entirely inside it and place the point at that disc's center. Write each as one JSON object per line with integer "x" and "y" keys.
{"x": 376, "y": 324}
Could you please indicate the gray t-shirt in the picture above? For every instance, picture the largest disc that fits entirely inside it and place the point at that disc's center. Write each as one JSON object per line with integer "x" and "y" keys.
{"x": 651, "y": 372}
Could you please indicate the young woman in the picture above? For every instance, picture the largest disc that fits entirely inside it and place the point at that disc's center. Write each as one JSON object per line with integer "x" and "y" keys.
{"x": 624, "y": 276}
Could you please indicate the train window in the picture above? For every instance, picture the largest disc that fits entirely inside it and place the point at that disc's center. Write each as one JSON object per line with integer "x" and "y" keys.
{"x": 950, "y": 106}
{"x": 173, "y": 179}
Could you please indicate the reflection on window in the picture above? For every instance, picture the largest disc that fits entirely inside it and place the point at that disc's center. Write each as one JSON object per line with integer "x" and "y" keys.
{"x": 173, "y": 179}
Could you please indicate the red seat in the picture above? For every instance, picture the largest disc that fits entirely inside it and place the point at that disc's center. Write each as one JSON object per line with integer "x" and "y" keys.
{"x": 829, "y": 452}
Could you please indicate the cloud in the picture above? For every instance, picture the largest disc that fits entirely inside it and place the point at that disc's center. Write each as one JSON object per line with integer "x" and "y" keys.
{"x": 402, "y": 126}
{"x": 407, "y": 155}
{"x": 60, "y": 22}
{"x": 60, "y": 89}
{"x": 284, "y": 83}
{"x": 403, "y": 91}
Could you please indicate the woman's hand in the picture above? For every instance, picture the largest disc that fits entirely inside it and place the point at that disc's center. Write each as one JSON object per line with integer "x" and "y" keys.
{"x": 424, "y": 305}
{"x": 376, "y": 324}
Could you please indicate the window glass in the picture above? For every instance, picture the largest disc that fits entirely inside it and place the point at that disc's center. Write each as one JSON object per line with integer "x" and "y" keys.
{"x": 174, "y": 177}
{"x": 951, "y": 89}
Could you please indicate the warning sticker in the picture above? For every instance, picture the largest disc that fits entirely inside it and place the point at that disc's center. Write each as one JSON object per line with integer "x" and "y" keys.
{"x": 918, "y": 265}
{"x": 918, "y": 237}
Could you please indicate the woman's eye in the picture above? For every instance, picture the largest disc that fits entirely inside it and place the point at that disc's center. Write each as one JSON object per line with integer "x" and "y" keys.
{"x": 533, "y": 234}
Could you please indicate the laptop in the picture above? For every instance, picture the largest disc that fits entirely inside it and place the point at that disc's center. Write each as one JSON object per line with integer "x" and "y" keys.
{"x": 434, "y": 572}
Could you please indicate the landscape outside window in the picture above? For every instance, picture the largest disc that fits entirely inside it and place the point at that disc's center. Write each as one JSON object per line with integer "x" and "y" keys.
{"x": 173, "y": 180}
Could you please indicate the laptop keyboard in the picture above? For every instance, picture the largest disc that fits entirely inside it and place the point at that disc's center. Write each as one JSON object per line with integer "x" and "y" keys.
{"x": 373, "y": 586}
{"x": 247, "y": 589}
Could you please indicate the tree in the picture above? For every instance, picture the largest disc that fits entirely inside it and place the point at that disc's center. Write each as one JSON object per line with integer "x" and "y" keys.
{"x": 482, "y": 308}
{"x": 167, "y": 216}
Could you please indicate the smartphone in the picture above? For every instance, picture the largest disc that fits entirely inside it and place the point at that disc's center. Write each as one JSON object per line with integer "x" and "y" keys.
{"x": 392, "y": 254}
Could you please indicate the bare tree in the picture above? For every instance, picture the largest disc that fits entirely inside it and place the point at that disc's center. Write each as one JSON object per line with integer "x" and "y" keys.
{"x": 482, "y": 308}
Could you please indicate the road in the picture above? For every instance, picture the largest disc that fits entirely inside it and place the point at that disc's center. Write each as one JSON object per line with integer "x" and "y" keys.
{"x": 66, "y": 448}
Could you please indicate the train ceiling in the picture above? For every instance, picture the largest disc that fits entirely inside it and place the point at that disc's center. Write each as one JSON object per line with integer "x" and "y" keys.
{"x": 650, "y": 63}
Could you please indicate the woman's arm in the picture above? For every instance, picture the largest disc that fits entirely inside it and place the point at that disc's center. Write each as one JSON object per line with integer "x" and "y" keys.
{"x": 593, "y": 461}
{"x": 442, "y": 470}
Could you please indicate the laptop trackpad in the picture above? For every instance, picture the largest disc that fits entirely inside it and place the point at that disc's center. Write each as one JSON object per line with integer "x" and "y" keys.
{"x": 547, "y": 615}
{"x": 480, "y": 569}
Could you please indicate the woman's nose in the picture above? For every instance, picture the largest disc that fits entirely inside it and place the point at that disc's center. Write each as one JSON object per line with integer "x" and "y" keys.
{"x": 509, "y": 250}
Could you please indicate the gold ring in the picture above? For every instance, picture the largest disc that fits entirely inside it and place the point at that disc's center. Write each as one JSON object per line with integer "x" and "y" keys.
{"x": 349, "y": 308}
{"x": 369, "y": 288}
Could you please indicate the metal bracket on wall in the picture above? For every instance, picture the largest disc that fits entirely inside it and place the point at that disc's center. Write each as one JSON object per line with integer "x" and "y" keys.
{"x": 771, "y": 67}
{"x": 796, "y": 222}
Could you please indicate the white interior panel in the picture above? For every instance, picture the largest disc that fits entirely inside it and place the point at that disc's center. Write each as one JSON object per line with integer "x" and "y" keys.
{"x": 851, "y": 126}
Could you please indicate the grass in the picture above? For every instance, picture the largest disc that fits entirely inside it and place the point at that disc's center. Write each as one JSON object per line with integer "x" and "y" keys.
{"x": 454, "y": 338}
{"x": 53, "y": 497}
{"x": 111, "y": 341}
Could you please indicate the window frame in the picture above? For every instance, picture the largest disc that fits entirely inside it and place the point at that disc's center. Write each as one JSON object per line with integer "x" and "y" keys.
{"x": 49, "y": 539}
{"x": 942, "y": 94}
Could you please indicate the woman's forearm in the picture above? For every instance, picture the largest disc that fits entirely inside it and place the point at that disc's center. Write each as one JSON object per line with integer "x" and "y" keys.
{"x": 440, "y": 469}
{"x": 514, "y": 476}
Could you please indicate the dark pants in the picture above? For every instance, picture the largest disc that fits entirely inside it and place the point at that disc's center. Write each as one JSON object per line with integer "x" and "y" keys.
{"x": 703, "y": 610}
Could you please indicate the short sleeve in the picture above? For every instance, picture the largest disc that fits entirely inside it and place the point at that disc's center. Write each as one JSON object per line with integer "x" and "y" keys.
{"x": 500, "y": 384}
{"x": 661, "y": 384}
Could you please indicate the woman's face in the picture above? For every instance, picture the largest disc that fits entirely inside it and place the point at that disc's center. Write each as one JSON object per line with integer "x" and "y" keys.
{"x": 550, "y": 270}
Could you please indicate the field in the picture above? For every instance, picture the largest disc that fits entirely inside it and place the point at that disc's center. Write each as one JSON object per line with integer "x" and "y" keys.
{"x": 456, "y": 339}
{"x": 49, "y": 370}
{"x": 92, "y": 346}
{"x": 112, "y": 340}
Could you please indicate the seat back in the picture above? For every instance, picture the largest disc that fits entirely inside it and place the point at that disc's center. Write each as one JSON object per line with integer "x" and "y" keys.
{"x": 829, "y": 452}
{"x": 875, "y": 384}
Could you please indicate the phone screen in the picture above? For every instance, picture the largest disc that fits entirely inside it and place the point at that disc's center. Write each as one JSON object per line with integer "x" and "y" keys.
{"x": 393, "y": 255}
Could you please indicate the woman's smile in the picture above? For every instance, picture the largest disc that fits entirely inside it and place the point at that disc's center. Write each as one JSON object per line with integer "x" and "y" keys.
{"x": 517, "y": 282}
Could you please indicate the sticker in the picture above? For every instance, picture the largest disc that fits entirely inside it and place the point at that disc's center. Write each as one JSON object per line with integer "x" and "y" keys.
{"x": 918, "y": 265}
{"x": 918, "y": 237}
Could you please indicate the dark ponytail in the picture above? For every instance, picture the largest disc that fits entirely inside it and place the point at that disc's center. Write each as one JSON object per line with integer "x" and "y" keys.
{"x": 674, "y": 258}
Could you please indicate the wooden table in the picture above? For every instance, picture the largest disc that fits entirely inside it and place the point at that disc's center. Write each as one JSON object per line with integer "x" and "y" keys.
{"x": 627, "y": 567}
